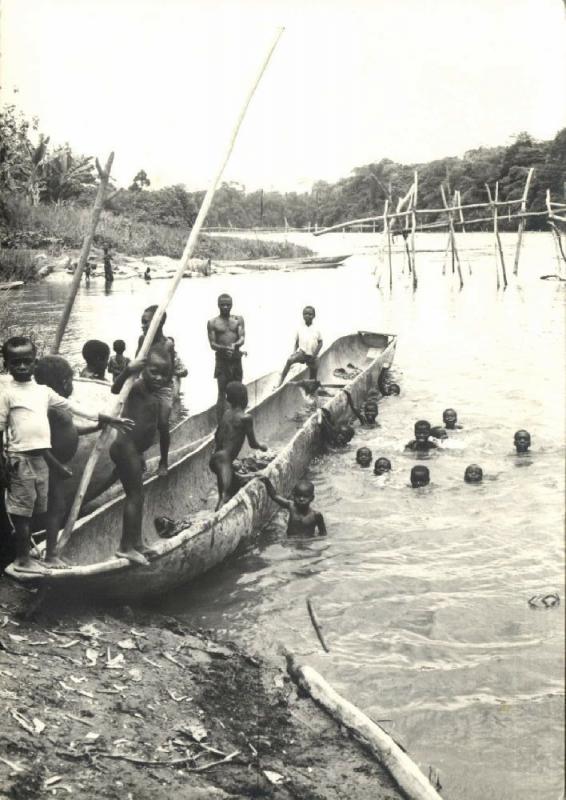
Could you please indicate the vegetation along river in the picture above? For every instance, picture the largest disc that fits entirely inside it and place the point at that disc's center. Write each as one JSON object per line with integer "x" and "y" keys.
{"x": 423, "y": 594}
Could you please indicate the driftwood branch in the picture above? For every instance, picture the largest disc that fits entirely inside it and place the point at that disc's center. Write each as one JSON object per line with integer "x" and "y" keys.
{"x": 317, "y": 626}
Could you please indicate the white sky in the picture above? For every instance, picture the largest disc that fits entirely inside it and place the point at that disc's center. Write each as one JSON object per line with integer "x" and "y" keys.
{"x": 352, "y": 81}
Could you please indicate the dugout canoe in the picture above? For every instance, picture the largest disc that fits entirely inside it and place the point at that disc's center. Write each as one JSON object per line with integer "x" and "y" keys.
{"x": 284, "y": 419}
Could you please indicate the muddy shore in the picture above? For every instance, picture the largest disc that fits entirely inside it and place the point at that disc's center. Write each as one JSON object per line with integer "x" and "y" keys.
{"x": 132, "y": 705}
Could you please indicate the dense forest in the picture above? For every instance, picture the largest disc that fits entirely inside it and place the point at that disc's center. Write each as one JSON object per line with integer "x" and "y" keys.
{"x": 34, "y": 173}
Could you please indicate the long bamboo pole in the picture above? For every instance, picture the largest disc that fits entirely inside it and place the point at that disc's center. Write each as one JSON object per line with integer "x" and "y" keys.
{"x": 414, "y": 226}
{"x": 157, "y": 317}
{"x": 104, "y": 175}
{"x": 455, "y": 255}
{"x": 521, "y": 227}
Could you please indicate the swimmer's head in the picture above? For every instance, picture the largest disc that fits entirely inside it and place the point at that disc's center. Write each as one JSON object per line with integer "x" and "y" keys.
{"x": 96, "y": 355}
{"x": 55, "y": 372}
{"x": 473, "y": 474}
{"x": 438, "y": 432}
{"x": 119, "y": 346}
{"x": 373, "y": 394}
{"x": 344, "y": 434}
{"x": 157, "y": 371}
{"x": 381, "y": 466}
{"x": 370, "y": 410}
{"x": 303, "y": 494}
{"x": 147, "y": 316}
{"x": 364, "y": 457}
{"x": 522, "y": 441}
{"x": 309, "y": 314}
{"x": 237, "y": 394}
{"x": 422, "y": 430}
{"x": 420, "y": 476}
{"x": 450, "y": 418}
{"x": 224, "y": 304}
{"x": 392, "y": 389}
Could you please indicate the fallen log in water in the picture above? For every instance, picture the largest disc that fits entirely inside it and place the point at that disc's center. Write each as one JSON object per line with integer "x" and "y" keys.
{"x": 406, "y": 773}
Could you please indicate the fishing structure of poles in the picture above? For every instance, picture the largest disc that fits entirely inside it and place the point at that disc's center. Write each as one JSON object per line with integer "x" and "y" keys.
{"x": 455, "y": 256}
{"x": 493, "y": 202}
{"x": 414, "y": 226}
{"x": 104, "y": 175}
{"x": 555, "y": 234}
{"x": 521, "y": 227}
{"x": 103, "y": 439}
{"x": 387, "y": 234}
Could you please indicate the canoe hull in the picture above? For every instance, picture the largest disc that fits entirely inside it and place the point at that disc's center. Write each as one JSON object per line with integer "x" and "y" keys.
{"x": 209, "y": 538}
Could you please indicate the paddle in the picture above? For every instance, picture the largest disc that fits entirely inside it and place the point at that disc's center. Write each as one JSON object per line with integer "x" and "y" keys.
{"x": 104, "y": 437}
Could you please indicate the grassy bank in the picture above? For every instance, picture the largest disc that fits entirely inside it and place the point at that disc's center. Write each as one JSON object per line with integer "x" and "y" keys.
{"x": 57, "y": 228}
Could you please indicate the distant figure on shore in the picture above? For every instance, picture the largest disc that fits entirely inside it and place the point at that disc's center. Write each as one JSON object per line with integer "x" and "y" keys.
{"x": 96, "y": 355}
{"x": 473, "y": 474}
{"x": 382, "y": 466}
{"x": 422, "y": 442}
{"x": 147, "y": 275}
{"x": 226, "y": 336}
{"x": 364, "y": 457}
{"x": 108, "y": 273}
{"x": 143, "y": 406}
{"x": 450, "y": 419}
{"x": 308, "y": 343}
{"x": 303, "y": 520}
{"x": 235, "y": 427}
{"x": 164, "y": 391}
{"x": 118, "y": 362}
{"x": 420, "y": 476}
{"x": 522, "y": 441}
{"x": 367, "y": 415}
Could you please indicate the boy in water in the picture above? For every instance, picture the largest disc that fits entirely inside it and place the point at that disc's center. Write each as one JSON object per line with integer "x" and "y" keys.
{"x": 473, "y": 474}
{"x": 364, "y": 457}
{"x": 385, "y": 385}
{"x": 332, "y": 434}
{"x": 164, "y": 344}
{"x": 420, "y": 476}
{"x": 382, "y": 466}
{"x": 143, "y": 407}
{"x": 450, "y": 419}
{"x": 522, "y": 441}
{"x": 308, "y": 343}
{"x": 108, "y": 274}
{"x": 303, "y": 520}
{"x": 422, "y": 442}
{"x": 367, "y": 415}
{"x": 235, "y": 426}
{"x": 24, "y": 406}
{"x": 119, "y": 361}
{"x": 96, "y": 354}
{"x": 56, "y": 373}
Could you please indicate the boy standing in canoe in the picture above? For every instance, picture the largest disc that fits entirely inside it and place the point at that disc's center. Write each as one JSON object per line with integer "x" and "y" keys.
{"x": 235, "y": 426}
{"x": 226, "y": 335}
{"x": 308, "y": 343}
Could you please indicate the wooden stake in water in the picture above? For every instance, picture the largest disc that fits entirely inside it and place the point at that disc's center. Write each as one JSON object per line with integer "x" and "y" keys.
{"x": 414, "y": 225}
{"x": 104, "y": 175}
{"x": 455, "y": 255}
{"x": 522, "y": 221}
{"x": 157, "y": 317}
{"x": 387, "y": 232}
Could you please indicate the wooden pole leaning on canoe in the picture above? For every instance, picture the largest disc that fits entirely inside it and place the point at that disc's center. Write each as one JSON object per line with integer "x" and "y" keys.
{"x": 405, "y": 772}
{"x": 455, "y": 255}
{"x": 104, "y": 175}
{"x": 104, "y": 437}
{"x": 522, "y": 221}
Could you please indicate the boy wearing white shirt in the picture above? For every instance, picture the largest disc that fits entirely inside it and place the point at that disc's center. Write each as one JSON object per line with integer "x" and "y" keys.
{"x": 308, "y": 343}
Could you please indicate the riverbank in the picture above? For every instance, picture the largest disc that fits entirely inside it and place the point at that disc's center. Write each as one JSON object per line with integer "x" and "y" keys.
{"x": 132, "y": 704}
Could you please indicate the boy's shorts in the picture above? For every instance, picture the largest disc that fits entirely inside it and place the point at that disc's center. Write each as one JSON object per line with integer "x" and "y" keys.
{"x": 29, "y": 484}
{"x": 228, "y": 369}
{"x": 165, "y": 395}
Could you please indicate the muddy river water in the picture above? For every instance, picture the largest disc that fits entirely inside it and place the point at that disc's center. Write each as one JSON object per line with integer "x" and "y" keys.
{"x": 423, "y": 594}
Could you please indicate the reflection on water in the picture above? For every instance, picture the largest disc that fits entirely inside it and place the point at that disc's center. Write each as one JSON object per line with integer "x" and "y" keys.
{"x": 423, "y": 594}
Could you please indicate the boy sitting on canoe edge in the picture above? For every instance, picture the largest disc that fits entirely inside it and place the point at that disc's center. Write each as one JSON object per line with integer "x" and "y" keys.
{"x": 235, "y": 426}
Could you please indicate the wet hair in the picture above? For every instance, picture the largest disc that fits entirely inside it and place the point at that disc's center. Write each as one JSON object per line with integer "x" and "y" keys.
{"x": 52, "y": 371}
{"x": 474, "y": 468}
{"x": 119, "y": 346}
{"x": 420, "y": 475}
{"x": 393, "y": 388}
{"x": 438, "y": 432}
{"x": 523, "y": 434}
{"x": 152, "y": 310}
{"x": 224, "y": 296}
{"x": 95, "y": 350}
{"x": 384, "y": 462}
{"x": 237, "y": 394}
{"x": 16, "y": 341}
{"x": 345, "y": 432}
{"x": 310, "y": 308}
{"x": 305, "y": 488}
{"x": 448, "y": 411}
{"x": 422, "y": 425}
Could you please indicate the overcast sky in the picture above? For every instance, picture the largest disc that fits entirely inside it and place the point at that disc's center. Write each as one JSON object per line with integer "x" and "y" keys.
{"x": 354, "y": 81}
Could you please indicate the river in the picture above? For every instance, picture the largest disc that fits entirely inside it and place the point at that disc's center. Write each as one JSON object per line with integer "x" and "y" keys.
{"x": 423, "y": 594}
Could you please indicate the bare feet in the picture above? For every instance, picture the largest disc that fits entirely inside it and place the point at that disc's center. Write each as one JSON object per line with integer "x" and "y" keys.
{"x": 29, "y": 565}
{"x": 133, "y": 556}
{"x": 56, "y": 563}
{"x": 146, "y": 550}
{"x": 162, "y": 469}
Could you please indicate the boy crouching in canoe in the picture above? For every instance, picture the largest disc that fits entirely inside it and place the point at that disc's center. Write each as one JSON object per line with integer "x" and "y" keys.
{"x": 142, "y": 406}
{"x": 235, "y": 426}
{"x": 303, "y": 520}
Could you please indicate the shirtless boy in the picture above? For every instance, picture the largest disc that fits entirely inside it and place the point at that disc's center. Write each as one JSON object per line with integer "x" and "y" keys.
{"x": 165, "y": 391}
{"x": 422, "y": 442}
{"x": 96, "y": 354}
{"x": 118, "y": 361}
{"x": 367, "y": 415}
{"x": 308, "y": 343}
{"x": 24, "y": 407}
{"x": 235, "y": 426}
{"x": 303, "y": 520}
{"x": 143, "y": 407}
{"x": 473, "y": 474}
{"x": 450, "y": 419}
{"x": 420, "y": 476}
{"x": 382, "y": 466}
{"x": 226, "y": 335}
{"x": 522, "y": 441}
{"x": 364, "y": 457}
{"x": 332, "y": 434}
